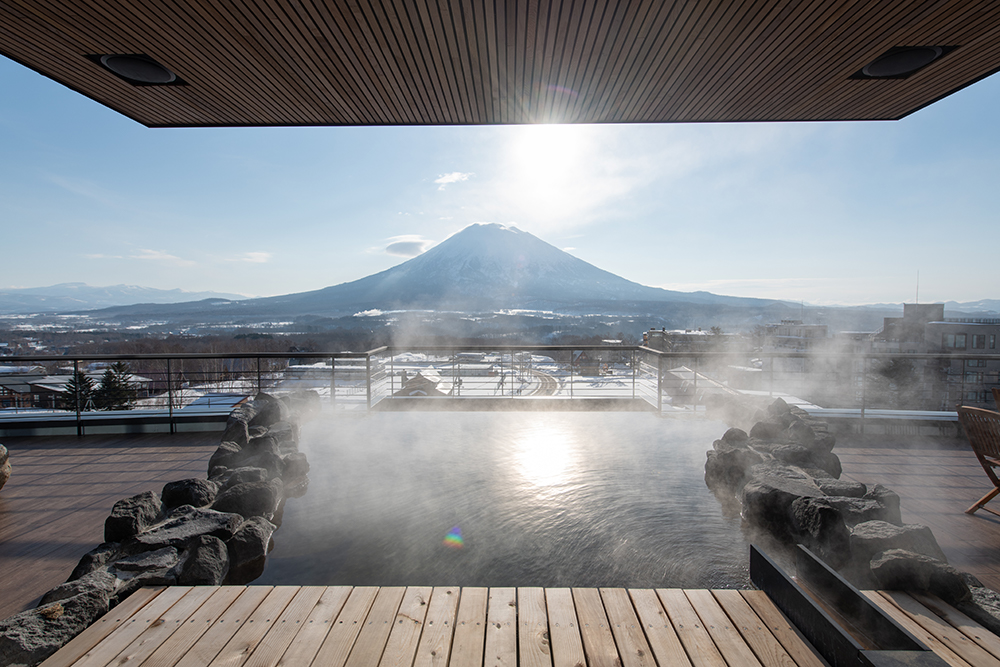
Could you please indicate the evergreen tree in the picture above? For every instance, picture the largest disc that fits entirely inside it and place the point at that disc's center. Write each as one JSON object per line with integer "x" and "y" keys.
{"x": 115, "y": 391}
{"x": 79, "y": 392}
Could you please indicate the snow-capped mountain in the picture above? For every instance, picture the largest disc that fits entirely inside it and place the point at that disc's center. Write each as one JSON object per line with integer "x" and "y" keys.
{"x": 487, "y": 266}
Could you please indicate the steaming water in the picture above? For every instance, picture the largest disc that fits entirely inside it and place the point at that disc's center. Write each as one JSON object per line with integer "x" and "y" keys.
{"x": 541, "y": 499}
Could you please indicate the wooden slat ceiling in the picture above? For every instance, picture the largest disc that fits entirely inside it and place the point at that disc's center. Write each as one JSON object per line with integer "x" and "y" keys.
{"x": 442, "y": 62}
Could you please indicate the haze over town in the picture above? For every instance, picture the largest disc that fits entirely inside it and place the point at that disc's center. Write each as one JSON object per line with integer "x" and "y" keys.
{"x": 826, "y": 213}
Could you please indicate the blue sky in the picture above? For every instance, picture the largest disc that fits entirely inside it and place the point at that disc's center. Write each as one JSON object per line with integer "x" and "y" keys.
{"x": 819, "y": 212}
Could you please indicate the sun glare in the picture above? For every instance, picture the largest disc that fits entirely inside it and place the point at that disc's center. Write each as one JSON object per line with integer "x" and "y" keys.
{"x": 545, "y": 456}
{"x": 547, "y": 167}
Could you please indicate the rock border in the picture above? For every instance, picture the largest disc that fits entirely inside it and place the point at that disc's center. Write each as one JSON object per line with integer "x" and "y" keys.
{"x": 194, "y": 532}
{"x": 786, "y": 480}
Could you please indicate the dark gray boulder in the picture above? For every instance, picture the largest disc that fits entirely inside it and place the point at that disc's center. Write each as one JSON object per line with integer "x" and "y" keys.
{"x": 728, "y": 466}
{"x": 241, "y": 475}
{"x": 194, "y": 492}
{"x": 236, "y": 432}
{"x": 769, "y": 493}
{"x": 860, "y": 510}
{"x": 296, "y": 466}
{"x": 227, "y": 455}
{"x": 260, "y": 445}
{"x": 205, "y": 564}
{"x": 889, "y": 500}
{"x": 269, "y": 461}
{"x": 900, "y": 570}
{"x": 5, "y": 467}
{"x": 248, "y": 550}
{"x": 32, "y": 636}
{"x": 873, "y": 537}
{"x": 983, "y": 607}
{"x": 302, "y": 404}
{"x": 100, "y": 579}
{"x": 96, "y": 558}
{"x": 767, "y": 431}
{"x": 251, "y": 499}
{"x": 735, "y": 436}
{"x": 131, "y": 516}
{"x": 4, "y": 455}
{"x": 268, "y": 410}
{"x": 146, "y": 561}
{"x": 182, "y": 526}
{"x": 822, "y": 528}
{"x": 842, "y": 487}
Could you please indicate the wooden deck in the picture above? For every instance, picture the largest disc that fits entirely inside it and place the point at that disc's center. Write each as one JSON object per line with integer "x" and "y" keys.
{"x": 937, "y": 480}
{"x": 262, "y": 626}
{"x": 52, "y": 510}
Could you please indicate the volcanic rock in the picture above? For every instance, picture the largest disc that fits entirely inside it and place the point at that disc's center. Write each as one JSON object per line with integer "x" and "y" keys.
{"x": 823, "y": 527}
{"x": 900, "y": 570}
{"x": 131, "y": 516}
{"x": 32, "y": 636}
{"x": 194, "y": 492}
{"x": 248, "y": 549}
{"x": 251, "y": 499}
{"x": 206, "y": 564}
{"x": 183, "y": 525}
{"x": 872, "y": 537}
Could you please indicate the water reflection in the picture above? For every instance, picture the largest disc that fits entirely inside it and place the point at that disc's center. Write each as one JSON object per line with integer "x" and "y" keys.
{"x": 545, "y": 454}
{"x": 541, "y": 499}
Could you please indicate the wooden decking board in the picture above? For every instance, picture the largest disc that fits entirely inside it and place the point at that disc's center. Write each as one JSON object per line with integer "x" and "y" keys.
{"x": 564, "y": 631}
{"x": 949, "y": 636}
{"x": 434, "y": 648}
{"x": 598, "y": 642}
{"x": 501, "y": 628}
{"x": 470, "y": 628}
{"x": 288, "y": 626}
{"x": 633, "y": 649}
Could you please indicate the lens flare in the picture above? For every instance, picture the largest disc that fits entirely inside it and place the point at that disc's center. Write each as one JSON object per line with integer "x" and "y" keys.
{"x": 454, "y": 538}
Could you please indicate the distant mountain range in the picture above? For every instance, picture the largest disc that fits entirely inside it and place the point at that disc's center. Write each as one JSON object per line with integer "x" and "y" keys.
{"x": 66, "y": 297}
{"x": 484, "y": 269}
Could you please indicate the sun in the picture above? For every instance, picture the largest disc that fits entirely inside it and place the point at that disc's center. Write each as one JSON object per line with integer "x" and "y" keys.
{"x": 546, "y": 167}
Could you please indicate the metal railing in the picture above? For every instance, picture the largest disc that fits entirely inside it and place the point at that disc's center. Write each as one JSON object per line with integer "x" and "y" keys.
{"x": 668, "y": 382}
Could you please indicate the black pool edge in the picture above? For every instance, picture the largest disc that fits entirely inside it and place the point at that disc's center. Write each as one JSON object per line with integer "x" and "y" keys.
{"x": 897, "y": 647}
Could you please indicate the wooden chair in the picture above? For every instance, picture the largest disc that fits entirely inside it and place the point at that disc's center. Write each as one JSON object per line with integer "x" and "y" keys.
{"x": 983, "y": 429}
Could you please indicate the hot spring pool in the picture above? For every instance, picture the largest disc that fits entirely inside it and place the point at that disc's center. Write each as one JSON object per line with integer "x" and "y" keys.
{"x": 508, "y": 499}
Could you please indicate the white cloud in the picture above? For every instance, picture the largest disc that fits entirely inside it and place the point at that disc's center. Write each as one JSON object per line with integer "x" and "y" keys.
{"x": 256, "y": 257}
{"x": 160, "y": 256}
{"x": 408, "y": 245}
{"x": 100, "y": 256}
{"x": 454, "y": 177}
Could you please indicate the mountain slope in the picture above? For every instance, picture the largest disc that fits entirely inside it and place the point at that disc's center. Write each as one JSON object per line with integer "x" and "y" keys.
{"x": 80, "y": 296}
{"x": 488, "y": 266}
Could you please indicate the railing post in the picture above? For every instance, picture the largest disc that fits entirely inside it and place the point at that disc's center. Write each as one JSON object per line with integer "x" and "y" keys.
{"x": 633, "y": 375}
{"x": 864, "y": 391}
{"x": 76, "y": 381}
{"x": 659, "y": 383}
{"x": 258, "y": 375}
{"x": 333, "y": 381}
{"x": 770, "y": 384}
{"x": 368, "y": 372}
{"x": 170, "y": 397}
{"x": 694, "y": 403}
{"x": 392, "y": 376}
{"x": 571, "y": 373}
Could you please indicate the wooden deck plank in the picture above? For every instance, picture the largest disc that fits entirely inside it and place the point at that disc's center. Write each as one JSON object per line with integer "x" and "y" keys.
{"x": 801, "y": 651}
{"x": 204, "y": 650}
{"x": 663, "y": 640}
{"x": 501, "y": 629}
{"x": 727, "y": 638}
{"x": 633, "y": 649}
{"x": 949, "y": 636}
{"x": 160, "y": 631}
{"x": 178, "y": 644}
{"x": 405, "y": 635}
{"x": 470, "y": 628}
{"x": 101, "y": 628}
{"x": 960, "y": 621}
{"x": 125, "y": 634}
{"x": 696, "y": 640}
{"x": 367, "y": 650}
{"x": 251, "y": 633}
{"x": 916, "y": 630}
{"x": 310, "y": 637}
{"x": 755, "y": 633}
{"x": 598, "y": 642}
{"x": 434, "y": 648}
{"x": 564, "y": 630}
{"x": 339, "y": 640}
{"x": 532, "y": 629}
{"x": 268, "y": 653}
